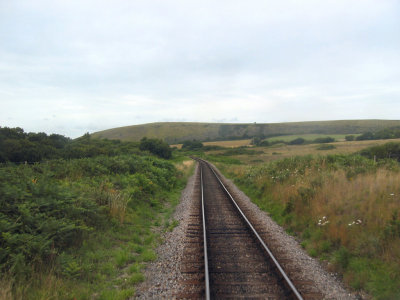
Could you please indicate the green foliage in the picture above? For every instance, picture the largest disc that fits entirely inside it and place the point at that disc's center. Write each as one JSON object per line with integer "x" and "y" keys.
{"x": 70, "y": 227}
{"x": 240, "y": 151}
{"x": 223, "y": 159}
{"x": 388, "y": 150}
{"x": 192, "y": 145}
{"x": 136, "y": 278}
{"x": 323, "y": 140}
{"x": 326, "y": 147}
{"x": 39, "y": 216}
{"x": 383, "y": 134}
{"x": 298, "y": 141}
{"x": 350, "y": 138}
{"x": 342, "y": 257}
{"x": 156, "y": 146}
{"x": 48, "y": 210}
{"x": 19, "y": 147}
{"x": 392, "y": 229}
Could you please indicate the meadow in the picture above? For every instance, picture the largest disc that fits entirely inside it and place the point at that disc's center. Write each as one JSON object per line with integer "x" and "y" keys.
{"x": 343, "y": 207}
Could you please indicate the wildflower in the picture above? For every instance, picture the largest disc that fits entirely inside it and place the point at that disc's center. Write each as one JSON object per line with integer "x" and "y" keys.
{"x": 323, "y": 221}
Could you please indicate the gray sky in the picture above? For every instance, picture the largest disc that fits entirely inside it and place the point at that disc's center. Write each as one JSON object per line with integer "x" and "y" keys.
{"x": 76, "y": 66}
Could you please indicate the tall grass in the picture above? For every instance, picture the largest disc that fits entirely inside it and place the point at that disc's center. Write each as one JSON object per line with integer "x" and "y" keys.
{"x": 345, "y": 208}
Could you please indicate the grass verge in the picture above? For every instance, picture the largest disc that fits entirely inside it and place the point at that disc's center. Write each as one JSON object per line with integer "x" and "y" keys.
{"x": 344, "y": 208}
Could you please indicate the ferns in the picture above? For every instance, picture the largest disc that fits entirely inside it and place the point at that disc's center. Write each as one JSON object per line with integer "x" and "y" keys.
{"x": 46, "y": 209}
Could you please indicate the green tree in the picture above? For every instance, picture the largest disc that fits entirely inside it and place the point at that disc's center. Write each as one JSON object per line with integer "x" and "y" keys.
{"x": 192, "y": 145}
{"x": 298, "y": 141}
{"x": 156, "y": 146}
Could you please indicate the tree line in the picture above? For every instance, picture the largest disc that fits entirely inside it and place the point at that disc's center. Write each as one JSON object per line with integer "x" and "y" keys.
{"x": 384, "y": 134}
{"x": 18, "y": 146}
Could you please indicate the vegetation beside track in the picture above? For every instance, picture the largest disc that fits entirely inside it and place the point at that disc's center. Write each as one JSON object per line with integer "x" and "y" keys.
{"x": 84, "y": 228}
{"x": 345, "y": 209}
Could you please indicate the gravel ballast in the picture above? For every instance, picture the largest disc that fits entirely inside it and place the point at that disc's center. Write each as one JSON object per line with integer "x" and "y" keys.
{"x": 163, "y": 276}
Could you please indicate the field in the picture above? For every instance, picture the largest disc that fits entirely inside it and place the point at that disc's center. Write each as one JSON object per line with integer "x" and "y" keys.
{"x": 280, "y": 151}
{"x": 344, "y": 208}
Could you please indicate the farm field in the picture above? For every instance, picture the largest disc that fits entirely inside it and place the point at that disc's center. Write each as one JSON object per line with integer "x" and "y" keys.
{"x": 344, "y": 208}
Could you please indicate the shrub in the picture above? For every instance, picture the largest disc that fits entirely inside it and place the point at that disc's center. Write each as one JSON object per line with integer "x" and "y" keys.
{"x": 298, "y": 141}
{"x": 156, "y": 146}
{"x": 192, "y": 145}
{"x": 388, "y": 150}
{"x": 326, "y": 147}
{"x": 49, "y": 209}
{"x": 323, "y": 140}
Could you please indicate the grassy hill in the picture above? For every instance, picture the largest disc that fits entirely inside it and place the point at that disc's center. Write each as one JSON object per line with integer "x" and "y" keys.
{"x": 175, "y": 132}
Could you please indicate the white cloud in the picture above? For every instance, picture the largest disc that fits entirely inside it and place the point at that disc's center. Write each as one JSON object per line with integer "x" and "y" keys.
{"x": 100, "y": 64}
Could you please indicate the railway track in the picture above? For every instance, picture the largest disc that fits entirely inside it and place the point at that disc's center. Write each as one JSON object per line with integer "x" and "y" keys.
{"x": 225, "y": 255}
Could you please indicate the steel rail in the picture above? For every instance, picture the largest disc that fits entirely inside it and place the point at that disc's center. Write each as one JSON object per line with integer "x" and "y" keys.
{"x": 207, "y": 279}
{"x": 276, "y": 263}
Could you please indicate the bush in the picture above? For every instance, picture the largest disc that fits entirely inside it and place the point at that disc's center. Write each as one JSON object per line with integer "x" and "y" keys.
{"x": 240, "y": 151}
{"x": 298, "y": 141}
{"x": 39, "y": 217}
{"x": 323, "y": 140}
{"x": 192, "y": 145}
{"x": 388, "y": 150}
{"x": 326, "y": 147}
{"x": 156, "y": 146}
{"x": 49, "y": 209}
{"x": 365, "y": 136}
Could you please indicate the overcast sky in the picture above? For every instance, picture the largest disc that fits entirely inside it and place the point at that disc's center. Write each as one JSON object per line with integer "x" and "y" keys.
{"x": 77, "y": 66}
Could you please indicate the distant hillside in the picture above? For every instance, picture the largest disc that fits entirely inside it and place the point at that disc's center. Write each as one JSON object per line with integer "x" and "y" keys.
{"x": 175, "y": 132}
